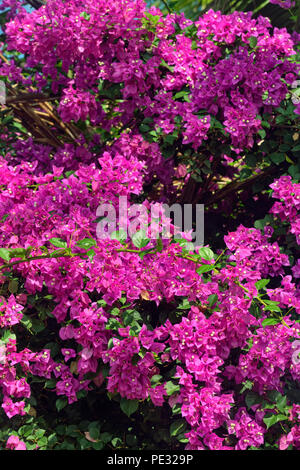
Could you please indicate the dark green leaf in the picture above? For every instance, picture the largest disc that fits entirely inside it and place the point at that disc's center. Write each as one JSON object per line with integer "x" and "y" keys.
{"x": 61, "y": 403}
{"x": 178, "y": 427}
{"x": 129, "y": 406}
{"x": 58, "y": 242}
{"x": 270, "y": 421}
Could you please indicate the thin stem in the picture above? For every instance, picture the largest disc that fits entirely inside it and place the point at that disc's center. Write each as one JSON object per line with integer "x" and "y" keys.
{"x": 167, "y": 6}
{"x": 38, "y": 257}
{"x": 219, "y": 256}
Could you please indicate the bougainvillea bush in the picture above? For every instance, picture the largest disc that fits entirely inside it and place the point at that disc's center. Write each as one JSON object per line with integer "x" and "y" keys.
{"x": 138, "y": 342}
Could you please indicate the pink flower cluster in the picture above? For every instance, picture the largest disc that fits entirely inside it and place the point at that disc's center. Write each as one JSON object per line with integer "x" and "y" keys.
{"x": 288, "y": 208}
{"x": 107, "y": 60}
{"x": 14, "y": 443}
{"x": 10, "y": 312}
{"x": 269, "y": 359}
{"x": 200, "y": 343}
{"x": 284, "y": 3}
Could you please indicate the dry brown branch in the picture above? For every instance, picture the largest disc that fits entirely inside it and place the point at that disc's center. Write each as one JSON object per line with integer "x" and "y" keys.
{"x": 39, "y": 117}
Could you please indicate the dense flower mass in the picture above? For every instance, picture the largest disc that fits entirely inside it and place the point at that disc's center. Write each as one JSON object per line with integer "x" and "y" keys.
{"x": 289, "y": 206}
{"x": 284, "y": 3}
{"x": 222, "y": 85}
{"x": 210, "y": 339}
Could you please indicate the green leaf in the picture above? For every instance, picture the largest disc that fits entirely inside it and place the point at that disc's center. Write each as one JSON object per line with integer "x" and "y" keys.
{"x": 204, "y": 268}
{"x": 277, "y": 158}
{"x": 266, "y": 124}
{"x": 81, "y": 394}
{"x": 154, "y": 19}
{"x": 247, "y": 385}
{"x": 85, "y": 15}
{"x": 105, "y": 437}
{"x": 274, "y": 395}
{"x": 281, "y": 404}
{"x": 50, "y": 383}
{"x": 167, "y": 66}
{"x": 4, "y": 217}
{"x": 84, "y": 444}
{"x": 37, "y": 325}
{"x": 119, "y": 235}
{"x": 61, "y": 403}
{"x": 144, "y": 128}
{"x": 206, "y": 253}
{"x": 39, "y": 433}
{"x": 139, "y": 239}
{"x": 262, "y": 133}
{"x": 178, "y": 427}
{"x": 56, "y": 253}
{"x": 284, "y": 147}
{"x": 58, "y": 242}
{"x": 270, "y": 321}
{"x": 86, "y": 243}
{"x": 280, "y": 119}
{"x": 26, "y": 430}
{"x": 183, "y": 439}
{"x": 182, "y": 94}
{"x": 91, "y": 253}
{"x": 18, "y": 253}
{"x": 272, "y": 306}
{"x": 68, "y": 174}
{"x": 185, "y": 305}
{"x": 8, "y": 335}
{"x": 253, "y": 42}
{"x": 52, "y": 440}
{"x": 117, "y": 442}
{"x": 159, "y": 246}
{"x": 215, "y": 124}
{"x": 261, "y": 283}
{"x": 26, "y": 321}
{"x": 129, "y": 406}
{"x": 270, "y": 421}
{"x": 176, "y": 409}
{"x": 42, "y": 442}
{"x": 13, "y": 286}
{"x": 94, "y": 430}
{"x": 294, "y": 172}
{"x": 171, "y": 387}
{"x": 252, "y": 399}
{"x": 113, "y": 324}
{"x": 4, "y": 254}
{"x": 186, "y": 245}
{"x": 155, "y": 379}
{"x": 212, "y": 299}
{"x": 115, "y": 311}
{"x": 98, "y": 445}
